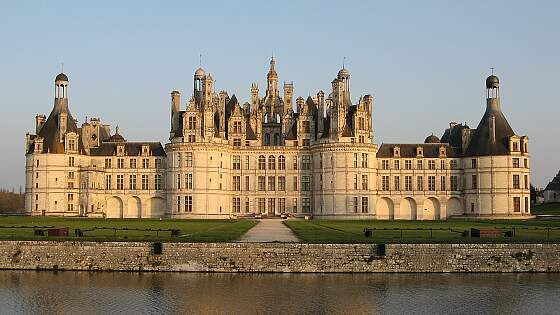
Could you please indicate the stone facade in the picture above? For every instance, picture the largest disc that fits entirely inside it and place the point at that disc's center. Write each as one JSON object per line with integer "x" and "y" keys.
{"x": 276, "y": 257}
{"x": 317, "y": 157}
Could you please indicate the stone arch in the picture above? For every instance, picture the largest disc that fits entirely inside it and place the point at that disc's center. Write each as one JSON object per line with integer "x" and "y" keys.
{"x": 385, "y": 209}
{"x": 114, "y": 208}
{"x": 431, "y": 209}
{"x": 408, "y": 209}
{"x": 134, "y": 208}
{"x": 156, "y": 207}
{"x": 454, "y": 207}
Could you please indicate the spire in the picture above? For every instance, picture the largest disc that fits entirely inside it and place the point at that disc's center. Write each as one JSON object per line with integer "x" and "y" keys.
{"x": 272, "y": 71}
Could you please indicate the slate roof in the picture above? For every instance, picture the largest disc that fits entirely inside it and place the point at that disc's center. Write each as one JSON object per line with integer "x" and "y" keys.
{"x": 408, "y": 150}
{"x": 554, "y": 183}
{"x": 130, "y": 148}
{"x": 50, "y": 130}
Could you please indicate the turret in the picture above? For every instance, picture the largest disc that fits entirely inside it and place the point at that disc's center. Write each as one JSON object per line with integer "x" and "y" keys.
{"x": 175, "y": 108}
{"x": 254, "y": 95}
{"x": 272, "y": 79}
{"x": 320, "y": 112}
{"x": 288, "y": 96}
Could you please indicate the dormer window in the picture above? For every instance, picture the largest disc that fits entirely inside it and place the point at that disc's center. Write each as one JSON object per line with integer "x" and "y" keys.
{"x": 515, "y": 147}
{"x": 306, "y": 126}
{"x": 442, "y": 151}
{"x": 145, "y": 150}
{"x": 396, "y": 151}
{"x": 419, "y": 151}
{"x": 120, "y": 150}
{"x": 192, "y": 123}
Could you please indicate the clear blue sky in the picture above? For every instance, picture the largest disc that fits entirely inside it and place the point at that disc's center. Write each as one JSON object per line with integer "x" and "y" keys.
{"x": 424, "y": 62}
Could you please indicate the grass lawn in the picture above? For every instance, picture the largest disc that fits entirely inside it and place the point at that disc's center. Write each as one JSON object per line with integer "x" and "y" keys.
{"x": 190, "y": 230}
{"x": 352, "y": 231}
{"x": 546, "y": 208}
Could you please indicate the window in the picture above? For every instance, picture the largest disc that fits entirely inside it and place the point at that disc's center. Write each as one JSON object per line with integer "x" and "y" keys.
{"x": 442, "y": 164}
{"x": 397, "y": 183}
{"x": 158, "y": 163}
{"x": 70, "y": 161}
{"x": 271, "y": 205}
{"x": 515, "y": 146}
{"x": 305, "y": 126}
{"x": 262, "y": 162}
{"x": 107, "y": 163}
{"x": 294, "y": 207}
{"x": 271, "y": 183}
{"x": 271, "y": 162}
{"x": 306, "y": 183}
{"x": 120, "y": 182}
{"x": 306, "y": 142}
{"x": 70, "y": 175}
{"x": 472, "y": 206}
{"x": 282, "y": 205}
{"x": 261, "y": 204}
{"x": 364, "y": 182}
{"x": 473, "y": 163}
{"x": 236, "y": 162}
{"x": 132, "y": 182}
{"x": 516, "y": 204}
{"x": 431, "y": 183}
{"x": 526, "y": 204}
{"x": 356, "y": 205}
{"x": 516, "y": 181}
{"x": 419, "y": 183}
{"x": 408, "y": 183}
{"x": 192, "y": 123}
{"x": 442, "y": 183}
{"x": 247, "y": 162}
{"x": 189, "y": 181}
{"x": 453, "y": 164}
{"x": 188, "y": 204}
{"x": 407, "y": 164}
{"x": 526, "y": 181}
{"x": 71, "y": 185}
{"x": 281, "y": 183}
{"x": 157, "y": 182}
{"x": 385, "y": 164}
{"x": 397, "y": 164}
{"x": 70, "y": 202}
{"x": 361, "y": 123}
{"x": 364, "y": 160}
{"x": 355, "y": 159}
{"x": 281, "y": 162}
{"x": 515, "y": 162}
{"x": 295, "y": 183}
{"x": 419, "y": 164}
{"x": 178, "y": 203}
{"x": 454, "y": 183}
{"x": 525, "y": 163}
{"x": 247, "y": 183}
{"x": 178, "y": 181}
{"x": 145, "y": 182}
{"x": 188, "y": 159}
{"x": 356, "y": 182}
{"x": 305, "y": 205}
{"x": 385, "y": 183}
{"x": 262, "y": 184}
{"x": 132, "y": 163}
{"x": 266, "y": 139}
{"x": 364, "y": 204}
{"x": 191, "y": 138}
{"x": 236, "y": 142}
{"x": 474, "y": 183}
{"x": 108, "y": 182}
{"x": 431, "y": 164}
{"x": 246, "y": 206}
{"x": 120, "y": 163}
{"x": 145, "y": 163}
{"x": 295, "y": 163}
{"x": 236, "y": 205}
{"x": 236, "y": 127}
{"x": 306, "y": 162}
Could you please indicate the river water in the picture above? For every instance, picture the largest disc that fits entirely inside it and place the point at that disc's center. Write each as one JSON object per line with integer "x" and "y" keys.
{"x": 44, "y": 292}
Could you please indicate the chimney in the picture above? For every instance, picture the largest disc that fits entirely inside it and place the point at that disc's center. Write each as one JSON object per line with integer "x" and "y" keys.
{"x": 39, "y": 122}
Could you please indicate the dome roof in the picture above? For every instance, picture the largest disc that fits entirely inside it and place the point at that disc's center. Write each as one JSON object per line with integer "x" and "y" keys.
{"x": 343, "y": 73}
{"x": 432, "y": 139}
{"x": 61, "y": 77}
{"x": 199, "y": 72}
{"x": 492, "y": 82}
{"x": 116, "y": 137}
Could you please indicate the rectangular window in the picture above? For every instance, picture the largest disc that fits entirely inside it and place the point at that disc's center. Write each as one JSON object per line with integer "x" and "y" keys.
{"x": 70, "y": 161}
{"x": 192, "y": 123}
{"x": 419, "y": 165}
{"x": 120, "y": 182}
{"x": 236, "y": 127}
{"x": 247, "y": 206}
{"x": 407, "y": 164}
{"x": 188, "y": 203}
{"x": 236, "y": 205}
{"x": 306, "y": 142}
{"x": 419, "y": 183}
{"x": 526, "y": 181}
{"x": 364, "y": 204}
{"x": 132, "y": 163}
{"x": 281, "y": 183}
{"x": 236, "y": 142}
{"x": 516, "y": 204}
{"x": 305, "y": 126}
{"x": 70, "y": 175}
{"x": 189, "y": 181}
{"x": 431, "y": 164}
{"x": 236, "y": 162}
{"x": 364, "y": 182}
{"x": 262, "y": 183}
{"x": 473, "y": 163}
{"x": 178, "y": 181}
{"x": 306, "y": 162}
{"x": 356, "y": 205}
{"x": 515, "y": 162}
{"x": 145, "y": 163}
{"x": 431, "y": 183}
{"x": 261, "y": 205}
{"x": 454, "y": 183}
{"x": 236, "y": 183}
{"x": 295, "y": 163}
{"x": 442, "y": 164}
{"x": 271, "y": 162}
{"x": 178, "y": 203}
{"x": 305, "y": 205}
{"x": 191, "y": 138}
{"x": 356, "y": 181}
{"x": 355, "y": 159}
{"x": 188, "y": 159}
{"x": 262, "y": 162}
{"x": 364, "y": 160}
{"x": 525, "y": 163}
{"x": 271, "y": 183}
{"x": 397, "y": 183}
{"x": 453, "y": 164}
{"x": 397, "y": 164}
{"x": 132, "y": 182}
{"x": 145, "y": 182}
{"x": 295, "y": 183}
{"x": 516, "y": 181}
{"x": 442, "y": 183}
{"x": 385, "y": 164}
{"x": 247, "y": 162}
{"x": 247, "y": 183}
{"x": 271, "y": 206}
{"x": 158, "y": 163}
{"x": 306, "y": 183}
{"x": 281, "y": 162}
{"x": 385, "y": 183}
{"x": 71, "y": 185}
{"x": 474, "y": 183}
{"x": 157, "y": 182}
{"x": 120, "y": 163}
{"x": 294, "y": 205}
{"x": 108, "y": 181}
{"x": 408, "y": 183}
{"x": 108, "y": 163}
{"x": 282, "y": 205}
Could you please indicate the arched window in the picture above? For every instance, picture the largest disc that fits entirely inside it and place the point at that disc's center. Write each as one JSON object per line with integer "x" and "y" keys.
{"x": 266, "y": 139}
{"x": 276, "y": 139}
{"x": 271, "y": 162}
{"x": 281, "y": 162}
{"x": 262, "y": 162}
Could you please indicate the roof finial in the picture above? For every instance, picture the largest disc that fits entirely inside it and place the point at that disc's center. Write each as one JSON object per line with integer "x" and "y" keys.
{"x": 492, "y": 70}
{"x": 343, "y": 62}
{"x": 200, "y": 60}
{"x": 62, "y": 67}
{"x": 117, "y": 130}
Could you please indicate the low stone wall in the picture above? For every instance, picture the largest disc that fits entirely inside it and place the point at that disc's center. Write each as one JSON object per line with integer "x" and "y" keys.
{"x": 277, "y": 257}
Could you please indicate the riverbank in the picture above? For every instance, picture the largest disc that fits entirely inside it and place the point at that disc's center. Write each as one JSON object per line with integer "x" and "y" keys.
{"x": 278, "y": 257}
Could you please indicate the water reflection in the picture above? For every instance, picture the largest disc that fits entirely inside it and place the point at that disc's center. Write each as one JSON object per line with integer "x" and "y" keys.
{"x": 179, "y": 293}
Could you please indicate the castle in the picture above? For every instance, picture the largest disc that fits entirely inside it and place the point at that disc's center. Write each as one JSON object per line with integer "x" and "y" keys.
{"x": 227, "y": 159}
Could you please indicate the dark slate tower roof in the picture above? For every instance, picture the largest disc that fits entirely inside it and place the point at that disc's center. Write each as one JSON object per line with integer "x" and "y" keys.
{"x": 554, "y": 183}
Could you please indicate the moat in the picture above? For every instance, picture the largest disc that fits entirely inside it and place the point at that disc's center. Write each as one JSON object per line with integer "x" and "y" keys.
{"x": 46, "y": 292}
